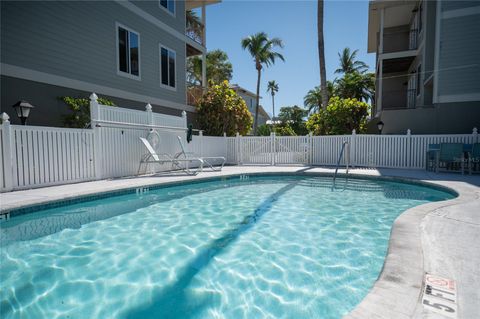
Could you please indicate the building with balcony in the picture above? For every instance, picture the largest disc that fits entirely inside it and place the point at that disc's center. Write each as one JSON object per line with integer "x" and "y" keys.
{"x": 131, "y": 52}
{"x": 250, "y": 99}
{"x": 427, "y": 65}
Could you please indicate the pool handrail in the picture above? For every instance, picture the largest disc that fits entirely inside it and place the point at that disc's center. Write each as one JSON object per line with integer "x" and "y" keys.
{"x": 346, "y": 145}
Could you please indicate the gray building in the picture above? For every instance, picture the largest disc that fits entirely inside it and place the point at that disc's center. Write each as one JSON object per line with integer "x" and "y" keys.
{"x": 427, "y": 65}
{"x": 132, "y": 52}
{"x": 250, "y": 99}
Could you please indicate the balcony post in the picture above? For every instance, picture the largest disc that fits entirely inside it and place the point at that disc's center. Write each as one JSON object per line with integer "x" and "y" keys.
{"x": 382, "y": 25}
{"x": 204, "y": 29}
{"x": 204, "y": 70}
{"x": 204, "y": 42}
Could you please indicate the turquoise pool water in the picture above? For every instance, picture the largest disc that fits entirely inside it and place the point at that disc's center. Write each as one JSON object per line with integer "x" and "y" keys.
{"x": 265, "y": 247}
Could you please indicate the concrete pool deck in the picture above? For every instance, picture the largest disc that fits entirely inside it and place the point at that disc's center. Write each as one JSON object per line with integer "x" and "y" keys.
{"x": 439, "y": 238}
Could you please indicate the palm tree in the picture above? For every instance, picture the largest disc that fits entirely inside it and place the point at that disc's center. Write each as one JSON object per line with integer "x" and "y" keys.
{"x": 313, "y": 99}
{"x": 360, "y": 86}
{"x": 349, "y": 62}
{"x": 321, "y": 54}
{"x": 261, "y": 49}
{"x": 273, "y": 88}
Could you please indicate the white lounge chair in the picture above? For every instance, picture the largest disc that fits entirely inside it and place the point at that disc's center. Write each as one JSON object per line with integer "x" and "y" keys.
{"x": 210, "y": 161}
{"x": 153, "y": 157}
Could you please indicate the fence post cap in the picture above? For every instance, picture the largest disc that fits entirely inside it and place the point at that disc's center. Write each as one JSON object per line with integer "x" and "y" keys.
{"x": 93, "y": 97}
{"x": 354, "y": 131}
{"x": 184, "y": 114}
{"x": 200, "y": 133}
{"x": 5, "y": 118}
{"x": 474, "y": 131}
{"x": 148, "y": 107}
{"x": 409, "y": 132}
{"x": 237, "y": 134}
{"x": 224, "y": 134}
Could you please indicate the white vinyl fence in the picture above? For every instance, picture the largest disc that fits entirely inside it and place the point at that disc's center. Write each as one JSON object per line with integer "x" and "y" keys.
{"x": 34, "y": 156}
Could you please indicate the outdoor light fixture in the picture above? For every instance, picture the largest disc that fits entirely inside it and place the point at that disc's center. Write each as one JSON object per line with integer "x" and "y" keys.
{"x": 23, "y": 110}
{"x": 380, "y": 127}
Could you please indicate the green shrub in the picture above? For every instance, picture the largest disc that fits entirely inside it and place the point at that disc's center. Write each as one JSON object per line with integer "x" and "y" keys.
{"x": 80, "y": 111}
{"x": 285, "y": 130}
{"x": 264, "y": 130}
{"x": 221, "y": 109}
{"x": 341, "y": 117}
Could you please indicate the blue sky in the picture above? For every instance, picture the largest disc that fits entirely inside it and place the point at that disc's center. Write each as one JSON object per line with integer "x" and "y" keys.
{"x": 295, "y": 23}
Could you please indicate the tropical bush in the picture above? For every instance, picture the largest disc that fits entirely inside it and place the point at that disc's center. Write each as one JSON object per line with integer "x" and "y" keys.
{"x": 221, "y": 109}
{"x": 340, "y": 117}
{"x": 264, "y": 130}
{"x": 285, "y": 130}
{"x": 292, "y": 118}
{"x": 79, "y": 116}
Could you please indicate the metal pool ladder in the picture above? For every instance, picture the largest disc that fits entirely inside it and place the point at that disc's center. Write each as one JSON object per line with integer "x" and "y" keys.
{"x": 345, "y": 145}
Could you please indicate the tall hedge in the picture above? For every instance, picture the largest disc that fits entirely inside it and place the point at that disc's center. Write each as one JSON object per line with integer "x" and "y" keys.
{"x": 221, "y": 109}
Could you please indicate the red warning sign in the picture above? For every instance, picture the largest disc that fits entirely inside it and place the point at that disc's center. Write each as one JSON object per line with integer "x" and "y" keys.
{"x": 440, "y": 282}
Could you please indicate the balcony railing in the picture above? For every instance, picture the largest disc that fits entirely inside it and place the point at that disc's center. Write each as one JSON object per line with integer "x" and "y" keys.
{"x": 194, "y": 94}
{"x": 413, "y": 37}
{"x": 194, "y": 29}
{"x": 411, "y": 98}
{"x": 398, "y": 41}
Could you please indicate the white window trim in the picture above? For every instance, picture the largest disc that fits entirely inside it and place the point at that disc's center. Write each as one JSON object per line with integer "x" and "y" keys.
{"x": 168, "y": 87}
{"x": 126, "y": 74}
{"x": 174, "y": 14}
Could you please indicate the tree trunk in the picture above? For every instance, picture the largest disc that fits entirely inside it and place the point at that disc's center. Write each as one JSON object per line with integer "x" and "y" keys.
{"x": 255, "y": 124}
{"x": 321, "y": 55}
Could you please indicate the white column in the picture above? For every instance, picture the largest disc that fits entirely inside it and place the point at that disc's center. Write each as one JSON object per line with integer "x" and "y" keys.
{"x": 382, "y": 25}
{"x": 380, "y": 62}
{"x": 204, "y": 42}
{"x": 97, "y": 141}
{"x": 7, "y": 152}
{"x": 204, "y": 22}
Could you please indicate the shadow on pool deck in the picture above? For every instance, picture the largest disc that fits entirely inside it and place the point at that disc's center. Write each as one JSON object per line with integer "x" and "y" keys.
{"x": 174, "y": 301}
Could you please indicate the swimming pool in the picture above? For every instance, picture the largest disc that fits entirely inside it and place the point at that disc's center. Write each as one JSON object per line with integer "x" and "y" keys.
{"x": 252, "y": 247}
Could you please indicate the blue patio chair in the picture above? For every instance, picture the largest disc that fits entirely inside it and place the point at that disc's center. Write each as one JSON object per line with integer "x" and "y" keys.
{"x": 430, "y": 158}
{"x": 474, "y": 158}
{"x": 450, "y": 156}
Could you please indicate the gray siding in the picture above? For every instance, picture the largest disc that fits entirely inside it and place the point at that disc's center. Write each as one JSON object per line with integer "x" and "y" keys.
{"x": 459, "y": 55}
{"x": 177, "y": 21}
{"x": 78, "y": 40}
{"x": 456, "y": 4}
{"x": 448, "y": 118}
{"x": 50, "y": 111}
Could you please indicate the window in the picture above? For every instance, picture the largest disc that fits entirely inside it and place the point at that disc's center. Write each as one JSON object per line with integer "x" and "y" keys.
{"x": 419, "y": 72}
{"x": 168, "y": 5}
{"x": 128, "y": 52}
{"x": 167, "y": 67}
